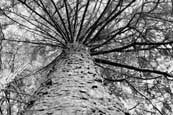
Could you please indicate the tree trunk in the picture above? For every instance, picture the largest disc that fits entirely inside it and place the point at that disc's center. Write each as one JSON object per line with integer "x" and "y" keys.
{"x": 75, "y": 88}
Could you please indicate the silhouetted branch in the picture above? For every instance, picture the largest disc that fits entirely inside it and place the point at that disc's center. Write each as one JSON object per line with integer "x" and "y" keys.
{"x": 109, "y": 20}
{"x": 145, "y": 97}
{"x": 1, "y": 39}
{"x": 43, "y": 33}
{"x": 56, "y": 25}
{"x": 131, "y": 67}
{"x": 25, "y": 4}
{"x": 61, "y": 19}
{"x": 32, "y": 42}
{"x": 76, "y": 19}
{"x": 134, "y": 44}
{"x": 82, "y": 21}
{"x": 68, "y": 20}
{"x": 92, "y": 28}
{"x": 112, "y": 50}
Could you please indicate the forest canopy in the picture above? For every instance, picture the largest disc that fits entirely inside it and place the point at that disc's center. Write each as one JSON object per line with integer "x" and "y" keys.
{"x": 129, "y": 40}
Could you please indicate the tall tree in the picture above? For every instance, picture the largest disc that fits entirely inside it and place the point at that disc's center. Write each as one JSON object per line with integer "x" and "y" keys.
{"x": 97, "y": 45}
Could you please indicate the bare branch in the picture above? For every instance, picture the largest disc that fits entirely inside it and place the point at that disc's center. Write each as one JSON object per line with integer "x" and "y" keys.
{"x": 132, "y": 67}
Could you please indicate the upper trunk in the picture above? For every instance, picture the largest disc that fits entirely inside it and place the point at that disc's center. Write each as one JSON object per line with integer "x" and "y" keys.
{"x": 75, "y": 89}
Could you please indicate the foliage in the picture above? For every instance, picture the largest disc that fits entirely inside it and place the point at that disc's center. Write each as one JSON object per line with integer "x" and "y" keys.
{"x": 131, "y": 40}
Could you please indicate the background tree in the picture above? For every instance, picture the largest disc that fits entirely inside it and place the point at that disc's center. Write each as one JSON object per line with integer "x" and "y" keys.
{"x": 130, "y": 40}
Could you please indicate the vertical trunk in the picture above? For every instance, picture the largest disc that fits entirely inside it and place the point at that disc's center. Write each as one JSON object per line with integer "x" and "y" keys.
{"x": 76, "y": 89}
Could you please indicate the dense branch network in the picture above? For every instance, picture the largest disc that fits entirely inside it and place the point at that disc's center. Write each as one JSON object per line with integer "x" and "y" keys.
{"x": 106, "y": 27}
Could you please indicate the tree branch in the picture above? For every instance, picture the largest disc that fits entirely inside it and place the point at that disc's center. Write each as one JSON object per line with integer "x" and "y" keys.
{"x": 109, "y": 20}
{"x": 144, "y": 97}
{"x": 134, "y": 44}
{"x": 131, "y": 67}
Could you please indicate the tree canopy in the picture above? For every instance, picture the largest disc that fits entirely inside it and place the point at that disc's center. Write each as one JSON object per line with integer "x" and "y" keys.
{"x": 130, "y": 40}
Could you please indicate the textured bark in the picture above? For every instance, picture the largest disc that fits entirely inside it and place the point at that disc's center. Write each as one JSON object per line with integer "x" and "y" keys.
{"x": 75, "y": 88}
